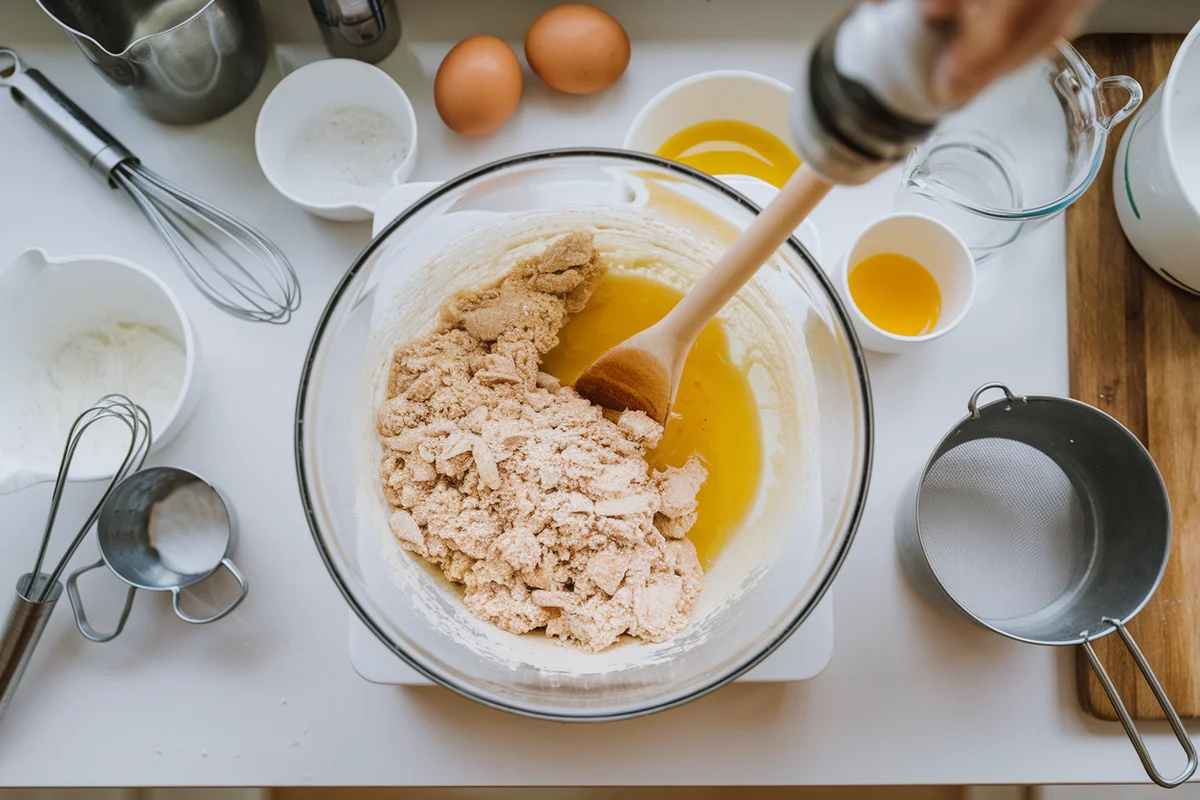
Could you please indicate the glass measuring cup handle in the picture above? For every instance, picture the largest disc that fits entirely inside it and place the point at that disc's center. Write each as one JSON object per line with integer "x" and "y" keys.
{"x": 1117, "y": 97}
{"x": 1127, "y": 721}
{"x": 237, "y": 575}
{"x": 81, "y": 620}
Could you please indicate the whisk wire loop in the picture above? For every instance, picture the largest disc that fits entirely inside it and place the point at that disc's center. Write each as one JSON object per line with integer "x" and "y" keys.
{"x": 237, "y": 268}
{"x": 137, "y": 421}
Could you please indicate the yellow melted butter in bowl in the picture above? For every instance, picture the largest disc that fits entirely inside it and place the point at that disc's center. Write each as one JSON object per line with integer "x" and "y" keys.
{"x": 732, "y": 147}
{"x": 715, "y": 415}
{"x": 896, "y": 293}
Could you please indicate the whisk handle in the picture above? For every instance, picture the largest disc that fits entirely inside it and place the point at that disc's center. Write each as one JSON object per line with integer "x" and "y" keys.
{"x": 22, "y": 629}
{"x": 82, "y": 135}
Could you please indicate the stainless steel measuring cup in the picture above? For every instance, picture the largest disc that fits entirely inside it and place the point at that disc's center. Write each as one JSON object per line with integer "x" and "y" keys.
{"x": 1045, "y": 520}
{"x": 161, "y": 529}
{"x": 178, "y": 61}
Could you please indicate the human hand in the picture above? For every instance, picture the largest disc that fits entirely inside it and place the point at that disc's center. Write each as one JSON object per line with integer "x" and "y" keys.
{"x": 990, "y": 38}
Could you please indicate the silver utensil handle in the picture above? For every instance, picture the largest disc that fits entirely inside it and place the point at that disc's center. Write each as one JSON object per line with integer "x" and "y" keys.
{"x": 237, "y": 575}
{"x": 973, "y": 403}
{"x": 1127, "y": 721}
{"x": 22, "y": 629}
{"x": 82, "y": 135}
{"x": 81, "y": 620}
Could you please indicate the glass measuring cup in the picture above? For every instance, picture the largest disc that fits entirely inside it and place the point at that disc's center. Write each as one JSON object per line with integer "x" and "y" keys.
{"x": 1021, "y": 152}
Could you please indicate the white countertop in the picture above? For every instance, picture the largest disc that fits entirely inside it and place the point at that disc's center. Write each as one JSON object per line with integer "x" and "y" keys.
{"x": 268, "y": 697}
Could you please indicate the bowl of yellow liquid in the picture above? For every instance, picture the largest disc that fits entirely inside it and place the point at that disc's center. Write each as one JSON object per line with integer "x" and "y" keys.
{"x": 907, "y": 279}
{"x": 729, "y": 122}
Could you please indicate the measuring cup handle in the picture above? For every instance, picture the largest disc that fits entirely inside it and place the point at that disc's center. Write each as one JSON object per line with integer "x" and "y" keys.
{"x": 1127, "y": 721}
{"x": 1109, "y": 92}
{"x": 237, "y": 575}
{"x": 81, "y": 620}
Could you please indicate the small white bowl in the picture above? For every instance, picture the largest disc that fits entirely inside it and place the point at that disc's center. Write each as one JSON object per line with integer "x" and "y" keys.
{"x": 937, "y": 248}
{"x": 725, "y": 94}
{"x": 304, "y": 97}
{"x": 44, "y": 301}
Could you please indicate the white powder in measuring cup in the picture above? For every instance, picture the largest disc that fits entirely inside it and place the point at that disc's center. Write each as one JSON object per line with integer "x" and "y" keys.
{"x": 347, "y": 155}
{"x": 143, "y": 362}
{"x": 189, "y": 529}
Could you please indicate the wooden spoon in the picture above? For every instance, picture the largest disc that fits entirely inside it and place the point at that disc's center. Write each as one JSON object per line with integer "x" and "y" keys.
{"x": 642, "y": 373}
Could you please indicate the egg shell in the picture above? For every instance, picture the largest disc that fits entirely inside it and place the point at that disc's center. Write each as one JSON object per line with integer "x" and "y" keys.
{"x": 577, "y": 48}
{"x": 478, "y": 86}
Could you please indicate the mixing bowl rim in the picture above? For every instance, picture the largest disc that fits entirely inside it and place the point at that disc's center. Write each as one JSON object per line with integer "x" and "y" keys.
{"x": 832, "y": 568}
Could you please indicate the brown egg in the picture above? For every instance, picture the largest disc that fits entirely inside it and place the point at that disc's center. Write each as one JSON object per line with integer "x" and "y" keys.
{"x": 577, "y": 48}
{"x": 478, "y": 86}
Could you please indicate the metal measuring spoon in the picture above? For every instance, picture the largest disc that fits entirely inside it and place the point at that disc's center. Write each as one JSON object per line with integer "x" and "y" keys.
{"x": 161, "y": 529}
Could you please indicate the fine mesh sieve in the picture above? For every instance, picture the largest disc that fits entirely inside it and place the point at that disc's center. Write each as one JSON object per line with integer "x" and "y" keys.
{"x": 1045, "y": 520}
{"x": 1003, "y": 528}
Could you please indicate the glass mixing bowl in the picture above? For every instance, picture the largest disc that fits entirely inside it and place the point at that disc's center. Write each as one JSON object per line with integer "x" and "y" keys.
{"x": 648, "y": 214}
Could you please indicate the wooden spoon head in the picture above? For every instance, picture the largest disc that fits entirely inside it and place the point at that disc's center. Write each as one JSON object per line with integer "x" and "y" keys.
{"x": 629, "y": 378}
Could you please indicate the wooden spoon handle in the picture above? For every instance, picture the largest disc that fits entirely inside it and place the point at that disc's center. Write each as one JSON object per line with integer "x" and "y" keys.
{"x": 757, "y": 243}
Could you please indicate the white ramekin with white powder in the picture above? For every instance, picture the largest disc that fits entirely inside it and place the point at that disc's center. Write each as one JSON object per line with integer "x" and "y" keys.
{"x": 335, "y": 136}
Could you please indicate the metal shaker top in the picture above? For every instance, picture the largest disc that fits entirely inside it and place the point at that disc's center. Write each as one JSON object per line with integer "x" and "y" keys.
{"x": 364, "y": 29}
{"x": 864, "y": 99}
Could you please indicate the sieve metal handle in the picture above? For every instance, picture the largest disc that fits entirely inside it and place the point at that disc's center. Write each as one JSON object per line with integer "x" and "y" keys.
{"x": 973, "y": 403}
{"x": 81, "y": 620}
{"x": 1127, "y": 721}
{"x": 237, "y": 575}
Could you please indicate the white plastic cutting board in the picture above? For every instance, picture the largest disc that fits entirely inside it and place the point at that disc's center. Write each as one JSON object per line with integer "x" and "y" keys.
{"x": 804, "y": 655}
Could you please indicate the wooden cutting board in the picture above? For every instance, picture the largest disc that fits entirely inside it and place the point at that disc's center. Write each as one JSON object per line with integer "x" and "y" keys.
{"x": 1135, "y": 353}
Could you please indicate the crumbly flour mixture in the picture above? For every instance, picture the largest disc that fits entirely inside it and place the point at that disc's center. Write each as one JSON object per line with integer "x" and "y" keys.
{"x": 522, "y": 491}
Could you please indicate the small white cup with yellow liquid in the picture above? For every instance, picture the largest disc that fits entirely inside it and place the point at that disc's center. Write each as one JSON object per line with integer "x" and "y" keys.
{"x": 907, "y": 279}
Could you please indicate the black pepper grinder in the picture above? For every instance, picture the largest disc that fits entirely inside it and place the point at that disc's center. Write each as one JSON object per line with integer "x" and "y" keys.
{"x": 364, "y": 29}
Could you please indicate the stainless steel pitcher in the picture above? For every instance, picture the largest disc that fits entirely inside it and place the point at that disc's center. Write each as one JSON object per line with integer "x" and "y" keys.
{"x": 178, "y": 61}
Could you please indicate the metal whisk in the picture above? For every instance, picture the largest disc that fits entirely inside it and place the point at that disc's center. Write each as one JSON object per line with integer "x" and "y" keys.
{"x": 38, "y": 591}
{"x": 233, "y": 265}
